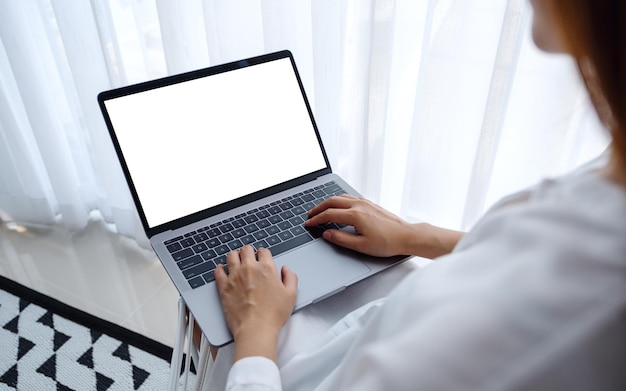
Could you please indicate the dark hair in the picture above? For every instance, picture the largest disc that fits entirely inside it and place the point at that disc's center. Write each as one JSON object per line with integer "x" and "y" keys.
{"x": 595, "y": 34}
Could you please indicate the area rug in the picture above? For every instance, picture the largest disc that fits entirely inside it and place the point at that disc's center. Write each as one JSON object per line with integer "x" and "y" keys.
{"x": 47, "y": 345}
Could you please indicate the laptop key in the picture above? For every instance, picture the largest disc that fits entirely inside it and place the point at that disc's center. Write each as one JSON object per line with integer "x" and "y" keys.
{"x": 238, "y": 223}
{"x": 199, "y": 269}
{"x": 172, "y": 248}
{"x": 187, "y": 242}
{"x": 235, "y": 244}
{"x": 285, "y": 235}
{"x": 170, "y": 241}
{"x": 250, "y": 219}
{"x": 299, "y": 230}
{"x": 272, "y": 240}
{"x": 283, "y": 225}
{"x": 180, "y": 255}
{"x": 290, "y": 244}
{"x": 226, "y": 228}
{"x": 221, "y": 259}
{"x": 226, "y": 238}
{"x": 212, "y": 242}
{"x": 221, "y": 250}
{"x": 271, "y": 230}
{"x": 261, "y": 243}
{"x": 263, "y": 224}
{"x": 196, "y": 282}
{"x": 332, "y": 189}
{"x": 213, "y": 232}
{"x": 296, "y": 221}
{"x": 262, "y": 214}
{"x": 238, "y": 233}
{"x": 200, "y": 237}
{"x": 275, "y": 219}
{"x": 248, "y": 239}
{"x": 298, "y": 210}
{"x": 209, "y": 276}
{"x": 189, "y": 262}
{"x": 208, "y": 254}
{"x": 286, "y": 205}
{"x": 251, "y": 228}
{"x": 274, "y": 210}
{"x": 260, "y": 235}
{"x": 198, "y": 248}
{"x": 287, "y": 215}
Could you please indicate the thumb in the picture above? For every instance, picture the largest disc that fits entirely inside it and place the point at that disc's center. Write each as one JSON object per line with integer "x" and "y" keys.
{"x": 343, "y": 239}
{"x": 290, "y": 279}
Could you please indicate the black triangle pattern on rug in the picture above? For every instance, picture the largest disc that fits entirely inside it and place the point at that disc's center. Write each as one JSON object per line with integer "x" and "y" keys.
{"x": 95, "y": 335}
{"x": 47, "y": 320}
{"x": 54, "y": 351}
{"x": 122, "y": 352}
{"x": 12, "y": 325}
{"x": 102, "y": 382}
{"x": 23, "y": 304}
{"x": 24, "y": 346}
{"x": 139, "y": 376}
{"x": 49, "y": 368}
{"x": 87, "y": 358}
{"x": 10, "y": 377}
{"x": 59, "y": 339}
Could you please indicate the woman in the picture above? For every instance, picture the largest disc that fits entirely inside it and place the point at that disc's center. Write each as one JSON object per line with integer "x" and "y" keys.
{"x": 533, "y": 297}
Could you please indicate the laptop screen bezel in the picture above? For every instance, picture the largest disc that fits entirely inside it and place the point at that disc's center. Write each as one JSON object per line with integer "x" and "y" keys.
{"x": 174, "y": 79}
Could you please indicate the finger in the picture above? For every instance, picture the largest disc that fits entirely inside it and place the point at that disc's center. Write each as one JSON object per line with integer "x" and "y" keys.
{"x": 290, "y": 280}
{"x": 246, "y": 254}
{"x": 345, "y": 239}
{"x": 339, "y": 216}
{"x": 220, "y": 278}
{"x": 342, "y": 202}
{"x": 265, "y": 258}
{"x": 233, "y": 260}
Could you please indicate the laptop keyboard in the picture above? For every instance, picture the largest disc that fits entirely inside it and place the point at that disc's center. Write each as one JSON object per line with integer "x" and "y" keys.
{"x": 278, "y": 226}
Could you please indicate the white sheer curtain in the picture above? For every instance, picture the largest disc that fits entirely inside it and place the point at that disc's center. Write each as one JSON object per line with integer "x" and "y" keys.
{"x": 433, "y": 108}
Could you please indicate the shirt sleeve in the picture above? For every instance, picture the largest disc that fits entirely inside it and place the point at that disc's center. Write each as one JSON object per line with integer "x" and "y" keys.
{"x": 254, "y": 374}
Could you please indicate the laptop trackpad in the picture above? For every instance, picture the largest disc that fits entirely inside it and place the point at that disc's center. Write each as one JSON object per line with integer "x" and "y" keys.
{"x": 322, "y": 268}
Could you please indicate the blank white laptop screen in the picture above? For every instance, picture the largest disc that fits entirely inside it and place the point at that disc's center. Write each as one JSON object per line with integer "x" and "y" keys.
{"x": 197, "y": 144}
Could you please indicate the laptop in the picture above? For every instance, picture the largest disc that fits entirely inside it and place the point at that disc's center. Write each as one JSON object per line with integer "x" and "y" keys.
{"x": 226, "y": 156}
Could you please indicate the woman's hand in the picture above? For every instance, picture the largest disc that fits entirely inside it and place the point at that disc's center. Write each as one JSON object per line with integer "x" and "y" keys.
{"x": 256, "y": 301}
{"x": 379, "y": 232}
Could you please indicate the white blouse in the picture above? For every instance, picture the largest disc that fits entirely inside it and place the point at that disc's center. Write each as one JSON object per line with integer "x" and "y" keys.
{"x": 533, "y": 297}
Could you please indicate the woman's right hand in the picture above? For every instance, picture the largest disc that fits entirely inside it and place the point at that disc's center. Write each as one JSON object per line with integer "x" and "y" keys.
{"x": 379, "y": 232}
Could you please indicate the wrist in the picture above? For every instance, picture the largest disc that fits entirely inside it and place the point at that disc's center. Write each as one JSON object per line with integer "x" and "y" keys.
{"x": 428, "y": 241}
{"x": 256, "y": 341}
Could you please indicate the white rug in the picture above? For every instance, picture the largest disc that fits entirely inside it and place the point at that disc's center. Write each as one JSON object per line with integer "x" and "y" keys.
{"x": 47, "y": 345}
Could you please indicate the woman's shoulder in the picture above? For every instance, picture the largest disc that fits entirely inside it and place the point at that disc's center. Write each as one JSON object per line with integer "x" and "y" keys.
{"x": 584, "y": 212}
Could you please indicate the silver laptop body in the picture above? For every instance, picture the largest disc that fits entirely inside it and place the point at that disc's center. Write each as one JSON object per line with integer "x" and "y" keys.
{"x": 225, "y": 156}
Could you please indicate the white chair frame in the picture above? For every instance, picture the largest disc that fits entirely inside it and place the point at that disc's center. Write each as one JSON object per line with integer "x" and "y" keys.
{"x": 184, "y": 344}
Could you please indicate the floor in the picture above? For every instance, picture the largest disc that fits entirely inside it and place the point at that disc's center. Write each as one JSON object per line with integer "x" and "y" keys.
{"x": 94, "y": 270}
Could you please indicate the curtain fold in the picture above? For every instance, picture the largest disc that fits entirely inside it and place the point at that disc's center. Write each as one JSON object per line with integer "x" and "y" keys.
{"x": 433, "y": 108}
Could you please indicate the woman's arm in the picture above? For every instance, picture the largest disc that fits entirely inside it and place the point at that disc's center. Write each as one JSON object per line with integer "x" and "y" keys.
{"x": 379, "y": 232}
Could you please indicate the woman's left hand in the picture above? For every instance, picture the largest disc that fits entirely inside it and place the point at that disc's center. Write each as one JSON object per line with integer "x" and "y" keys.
{"x": 256, "y": 301}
